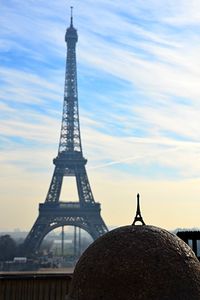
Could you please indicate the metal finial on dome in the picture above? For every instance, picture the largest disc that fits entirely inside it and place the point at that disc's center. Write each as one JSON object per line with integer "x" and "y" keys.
{"x": 138, "y": 216}
{"x": 71, "y": 16}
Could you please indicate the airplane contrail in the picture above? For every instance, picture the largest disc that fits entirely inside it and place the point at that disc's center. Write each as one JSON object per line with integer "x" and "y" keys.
{"x": 132, "y": 158}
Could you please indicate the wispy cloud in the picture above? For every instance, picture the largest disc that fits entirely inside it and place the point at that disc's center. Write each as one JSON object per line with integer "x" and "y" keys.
{"x": 138, "y": 75}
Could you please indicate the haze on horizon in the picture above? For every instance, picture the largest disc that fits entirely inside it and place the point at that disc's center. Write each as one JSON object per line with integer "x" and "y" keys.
{"x": 139, "y": 104}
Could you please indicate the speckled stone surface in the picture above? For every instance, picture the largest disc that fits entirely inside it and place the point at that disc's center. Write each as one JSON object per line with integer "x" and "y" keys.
{"x": 137, "y": 263}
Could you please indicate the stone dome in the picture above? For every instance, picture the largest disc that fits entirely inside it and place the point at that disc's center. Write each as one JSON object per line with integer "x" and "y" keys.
{"x": 137, "y": 263}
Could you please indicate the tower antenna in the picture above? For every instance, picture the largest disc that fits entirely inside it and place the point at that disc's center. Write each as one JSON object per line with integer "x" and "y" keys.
{"x": 71, "y": 16}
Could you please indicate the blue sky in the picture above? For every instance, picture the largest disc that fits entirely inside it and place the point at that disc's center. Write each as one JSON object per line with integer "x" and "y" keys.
{"x": 139, "y": 99}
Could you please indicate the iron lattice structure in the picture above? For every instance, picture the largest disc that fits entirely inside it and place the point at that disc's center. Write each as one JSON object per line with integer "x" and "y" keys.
{"x": 69, "y": 162}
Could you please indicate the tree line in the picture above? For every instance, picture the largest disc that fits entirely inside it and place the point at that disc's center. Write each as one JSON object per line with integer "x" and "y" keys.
{"x": 8, "y": 248}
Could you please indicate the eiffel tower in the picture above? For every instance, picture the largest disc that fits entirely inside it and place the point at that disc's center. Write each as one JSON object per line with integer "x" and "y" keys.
{"x": 54, "y": 213}
{"x": 138, "y": 216}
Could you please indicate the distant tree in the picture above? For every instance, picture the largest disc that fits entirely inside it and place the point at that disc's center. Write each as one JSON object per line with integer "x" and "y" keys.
{"x": 8, "y": 248}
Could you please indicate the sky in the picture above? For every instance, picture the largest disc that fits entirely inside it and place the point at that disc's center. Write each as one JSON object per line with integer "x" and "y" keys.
{"x": 139, "y": 102}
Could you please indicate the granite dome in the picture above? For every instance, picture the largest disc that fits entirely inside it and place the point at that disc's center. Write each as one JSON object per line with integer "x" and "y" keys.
{"x": 137, "y": 263}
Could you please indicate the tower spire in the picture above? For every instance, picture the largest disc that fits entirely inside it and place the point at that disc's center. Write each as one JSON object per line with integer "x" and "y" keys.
{"x": 138, "y": 216}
